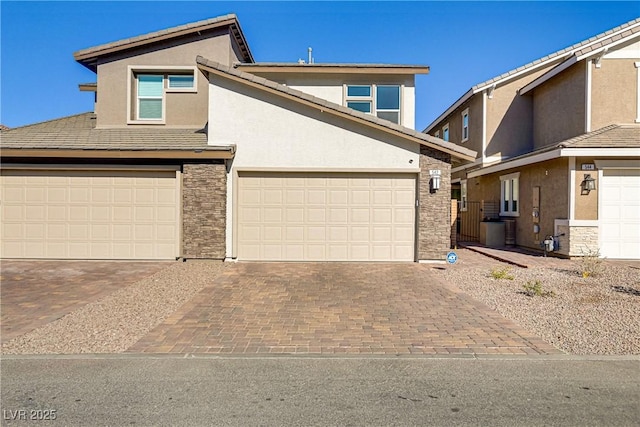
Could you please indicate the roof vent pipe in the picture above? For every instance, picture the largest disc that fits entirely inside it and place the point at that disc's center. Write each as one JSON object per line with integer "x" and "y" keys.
{"x": 310, "y": 57}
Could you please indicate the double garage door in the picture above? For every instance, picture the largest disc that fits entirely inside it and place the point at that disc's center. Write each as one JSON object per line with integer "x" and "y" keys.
{"x": 90, "y": 214}
{"x": 326, "y": 217}
{"x": 620, "y": 213}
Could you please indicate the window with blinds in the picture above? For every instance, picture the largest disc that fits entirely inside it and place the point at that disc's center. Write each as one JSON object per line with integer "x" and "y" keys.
{"x": 150, "y": 96}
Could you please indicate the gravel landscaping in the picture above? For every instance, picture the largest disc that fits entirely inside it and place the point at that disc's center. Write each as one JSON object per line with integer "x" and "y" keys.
{"x": 114, "y": 323}
{"x": 584, "y": 316}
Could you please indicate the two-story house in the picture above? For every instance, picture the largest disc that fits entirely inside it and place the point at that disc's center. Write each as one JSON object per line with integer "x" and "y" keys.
{"x": 196, "y": 151}
{"x": 558, "y": 143}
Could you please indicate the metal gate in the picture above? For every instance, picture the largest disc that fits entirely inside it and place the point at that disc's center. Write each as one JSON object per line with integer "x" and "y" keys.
{"x": 469, "y": 222}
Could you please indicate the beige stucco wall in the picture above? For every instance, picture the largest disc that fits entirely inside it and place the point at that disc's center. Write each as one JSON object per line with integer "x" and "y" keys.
{"x": 455, "y": 125}
{"x": 182, "y": 109}
{"x": 509, "y": 119}
{"x": 559, "y": 107}
{"x": 586, "y": 204}
{"x": 614, "y": 89}
{"x": 552, "y": 178}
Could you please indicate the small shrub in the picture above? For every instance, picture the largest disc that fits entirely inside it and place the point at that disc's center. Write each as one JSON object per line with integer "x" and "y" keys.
{"x": 501, "y": 273}
{"x": 534, "y": 289}
{"x": 590, "y": 263}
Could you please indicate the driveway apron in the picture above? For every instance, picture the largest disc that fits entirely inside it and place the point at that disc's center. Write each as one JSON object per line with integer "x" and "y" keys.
{"x": 35, "y": 293}
{"x": 336, "y": 308}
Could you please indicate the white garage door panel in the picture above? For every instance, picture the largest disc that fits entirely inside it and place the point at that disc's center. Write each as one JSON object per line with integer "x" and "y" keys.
{"x": 89, "y": 214}
{"x": 326, "y": 217}
{"x": 620, "y": 214}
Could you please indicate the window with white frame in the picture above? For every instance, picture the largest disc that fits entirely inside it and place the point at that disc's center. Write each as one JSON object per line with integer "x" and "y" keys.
{"x": 445, "y": 132}
{"x": 150, "y": 88}
{"x": 381, "y": 100}
{"x": 360, "y": 97}
{"x": 463, "y": 195}
{"x": 150, "y": 97}
{"x": 180, "y": 82}
{"x": 388, "y": 102}
{"x": 465, "y": 125}
{"x": 509, "y": 194}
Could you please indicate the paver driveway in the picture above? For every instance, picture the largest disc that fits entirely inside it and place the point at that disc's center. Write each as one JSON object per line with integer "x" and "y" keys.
{"x": 333, "y": 308}
{"x": 35, "y": 293}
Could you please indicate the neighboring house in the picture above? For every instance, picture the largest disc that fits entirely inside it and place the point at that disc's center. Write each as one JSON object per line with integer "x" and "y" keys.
{"x": 546, "y": 133}
{"x": 196, "y": 151}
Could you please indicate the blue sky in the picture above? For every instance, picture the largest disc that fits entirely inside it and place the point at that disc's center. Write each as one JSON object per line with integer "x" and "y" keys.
{"x": 464, "y": 43}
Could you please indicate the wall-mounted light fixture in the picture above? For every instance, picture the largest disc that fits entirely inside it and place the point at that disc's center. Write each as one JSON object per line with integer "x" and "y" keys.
{"x": 587, "y": 184}
{"x": 435, "y": 180}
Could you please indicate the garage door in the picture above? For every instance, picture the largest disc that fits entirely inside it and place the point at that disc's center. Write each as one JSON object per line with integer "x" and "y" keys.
{"x": 89, "y": 214}
{"x": 620, "y": 214}
{"x": 326, "y": 217}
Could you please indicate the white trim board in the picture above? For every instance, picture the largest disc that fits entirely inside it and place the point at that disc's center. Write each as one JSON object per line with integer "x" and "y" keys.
{"x": 560, "y": 152}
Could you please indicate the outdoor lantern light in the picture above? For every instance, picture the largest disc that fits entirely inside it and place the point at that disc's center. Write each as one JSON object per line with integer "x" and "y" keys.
{"x": 435, "y": 180}
{"x": 588, "y": 183}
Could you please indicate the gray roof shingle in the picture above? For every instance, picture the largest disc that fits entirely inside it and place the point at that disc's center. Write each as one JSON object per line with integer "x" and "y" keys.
{"x": 78, "y": 132}
{"x": 612, "y": 136}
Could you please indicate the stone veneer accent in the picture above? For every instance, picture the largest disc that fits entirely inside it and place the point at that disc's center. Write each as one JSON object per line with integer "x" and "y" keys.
{"x": 578, "y": 240}
{"x": 204, "y": 207}
{"x": 434, "y": 212}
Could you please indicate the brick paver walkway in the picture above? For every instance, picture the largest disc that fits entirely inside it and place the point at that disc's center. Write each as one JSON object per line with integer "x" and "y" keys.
{"x": 335, "y": 308}
{"x": 34, "y": 293}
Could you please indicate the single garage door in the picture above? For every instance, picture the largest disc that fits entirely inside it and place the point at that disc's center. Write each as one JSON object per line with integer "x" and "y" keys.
{"x": 90, "y": 214}
{"x": 326, "y": 217}
{"x": 620, "y": 213}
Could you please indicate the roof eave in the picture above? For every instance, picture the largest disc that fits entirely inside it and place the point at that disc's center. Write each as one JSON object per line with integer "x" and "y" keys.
{"x": 334, "y": 69}
{"x": 209, "y": 154}
{"x": 88, "y": 57}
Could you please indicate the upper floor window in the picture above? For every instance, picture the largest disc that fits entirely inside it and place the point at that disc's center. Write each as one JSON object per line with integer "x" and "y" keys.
{"x": 150, "y": 86}
{"x": 445, "y": 132}
{"x": 360, "y": 98}
{"x": 180, "y": 81}
{"x": 437, "y": 134}
{"x": 509, "y": 194}
{"x": 150, "y": 94}
{"x": 381, "y": 100}
{"x": 465, "y": 125}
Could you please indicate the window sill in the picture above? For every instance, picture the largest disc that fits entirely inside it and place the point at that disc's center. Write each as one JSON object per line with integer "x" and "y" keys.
{"x": 513, "y": 214}
{"x": 181, "y": 90}
{"x": 146, "y": 122}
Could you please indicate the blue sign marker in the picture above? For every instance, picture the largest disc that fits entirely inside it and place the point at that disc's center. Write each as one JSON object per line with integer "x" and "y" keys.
{"x": 452, "y": 257}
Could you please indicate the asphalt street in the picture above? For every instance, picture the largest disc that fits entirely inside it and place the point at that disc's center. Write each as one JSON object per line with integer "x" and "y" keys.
{"x": 123, "y": 390}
